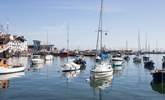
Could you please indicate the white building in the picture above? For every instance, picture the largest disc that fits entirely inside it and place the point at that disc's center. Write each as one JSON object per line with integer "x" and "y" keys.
{"x": 18, "y": 44}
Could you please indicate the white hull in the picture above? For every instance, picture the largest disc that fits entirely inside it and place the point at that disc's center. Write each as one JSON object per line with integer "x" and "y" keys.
{"x": 10, "y": 76}
{"x": 37, "y": 61}
{"x": 48, "y": 57}
{"x": 71, "y": 74}
{"x": 117, "y": 63}
{"x": 118, "y": 68}
{"x": 102, "y": 70}
{"x": 71, "y": 66}
{"x": 11, "y": 70}
{"x": 117, "y": 59}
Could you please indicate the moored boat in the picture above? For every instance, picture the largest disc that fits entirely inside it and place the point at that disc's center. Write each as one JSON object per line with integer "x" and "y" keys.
{"x": 36, "y": 59}
{"x": 49, "y": 57}
{"x": 158, "y": 75}
{"x": 5, "y": 68}
{"x": 70, "y": 66}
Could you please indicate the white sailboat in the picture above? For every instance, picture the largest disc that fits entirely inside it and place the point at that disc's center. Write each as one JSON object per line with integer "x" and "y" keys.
{"x": 48, "y": 57}
{"x": 137, "y": 58}
{"x": 70, "y": 65}
{"x": 102, "y": 68}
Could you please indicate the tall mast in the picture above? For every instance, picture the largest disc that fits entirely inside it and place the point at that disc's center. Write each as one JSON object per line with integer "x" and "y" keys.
{"x": 100, "y": 31}
{"x": 156, "y": 45}
{"x": 67, "y": 37}
{"x": 47, "y": 37}
{"x": 139, "y": 44}
{"x": 126, "y": 45}
{"x": 146, "y": 44}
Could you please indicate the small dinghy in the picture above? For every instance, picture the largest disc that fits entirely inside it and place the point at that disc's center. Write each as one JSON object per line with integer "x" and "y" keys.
{"x": 5, "y": 68}
{"x": 70, "y": 66}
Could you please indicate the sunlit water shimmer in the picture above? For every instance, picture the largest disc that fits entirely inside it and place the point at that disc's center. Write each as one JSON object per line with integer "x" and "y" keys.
{"x": 47, "y": 82}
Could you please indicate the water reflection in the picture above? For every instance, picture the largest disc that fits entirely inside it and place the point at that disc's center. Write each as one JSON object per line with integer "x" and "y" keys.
{"x": 5, "y": 79}
{"x": 158, "y": 87}
{"x": 36, "y": 67}
{"x": 71, "y": 74}
{"x": 100, "y": 85}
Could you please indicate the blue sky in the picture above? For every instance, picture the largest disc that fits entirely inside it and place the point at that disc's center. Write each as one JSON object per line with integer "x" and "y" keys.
{"x": 121, "y": 18}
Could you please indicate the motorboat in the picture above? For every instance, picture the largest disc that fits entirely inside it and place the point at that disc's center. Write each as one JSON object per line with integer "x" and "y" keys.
{"x": 137, "y": 59}
{"x": 49, "y": 57}
{"x": 70, "y": 66}
{"x": 5, "y": 68}
{"x": 126, "y": 58}
{"x": 149, "y": 65}
{"x": 145, "y": 59}
{"x": 80, "y": 61}
{"x": 117, "y": 60}
{"x": 36, "y": 59}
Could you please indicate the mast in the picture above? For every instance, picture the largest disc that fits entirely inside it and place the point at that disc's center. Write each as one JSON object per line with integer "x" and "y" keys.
{"x": 100, "y": 31}
{"x": 126, "y": 45}
{"x": 139, "y": 44}
{"x": 146, "y": 44}
{"x": 67, "y": 37}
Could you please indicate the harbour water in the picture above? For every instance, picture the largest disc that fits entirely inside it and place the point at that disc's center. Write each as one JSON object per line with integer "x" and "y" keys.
{"x": 47, "y": 82}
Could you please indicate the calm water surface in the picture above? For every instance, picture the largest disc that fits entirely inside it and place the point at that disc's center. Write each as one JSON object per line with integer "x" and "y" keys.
{"x": 47, "y": 82}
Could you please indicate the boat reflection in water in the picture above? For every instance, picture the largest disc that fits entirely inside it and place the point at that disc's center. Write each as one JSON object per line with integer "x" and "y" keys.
{"x": 158, "y": 87}
{"x": 5, "y": 79}
{"x": 71, "y": 74}
{"x": 36, "y": 67}
{"x": 100, "y": 85}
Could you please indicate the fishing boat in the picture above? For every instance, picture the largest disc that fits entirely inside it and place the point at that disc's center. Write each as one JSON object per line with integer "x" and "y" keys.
{"x": 5, "y": 68}
{"x": 36, "y": 59}
{"x": 102, "y": 68}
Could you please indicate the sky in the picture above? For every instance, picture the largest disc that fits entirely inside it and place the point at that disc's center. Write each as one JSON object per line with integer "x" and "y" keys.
{"x": 121, "y": 20}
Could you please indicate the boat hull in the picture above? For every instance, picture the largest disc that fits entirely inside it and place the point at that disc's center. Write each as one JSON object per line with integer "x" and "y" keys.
{"x": 11, "y": 70}
{"x": 159, "y": 76}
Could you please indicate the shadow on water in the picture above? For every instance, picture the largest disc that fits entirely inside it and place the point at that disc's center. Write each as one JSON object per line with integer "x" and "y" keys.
{"x": 5, "y": 79}
{"x": 158, "y": 87}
